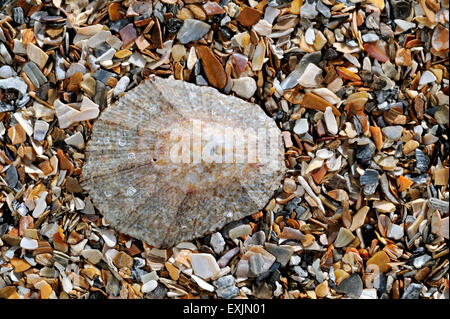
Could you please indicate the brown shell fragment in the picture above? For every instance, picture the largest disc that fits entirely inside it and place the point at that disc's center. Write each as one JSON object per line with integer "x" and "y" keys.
{"x": 214, "y": 71}
{"x": 133, "y": 180}
{"x": 439, "y": 40}
{"x": 249, "y": 16}
{"x": 114, "y": 11}
{"x": 377, "y": 50}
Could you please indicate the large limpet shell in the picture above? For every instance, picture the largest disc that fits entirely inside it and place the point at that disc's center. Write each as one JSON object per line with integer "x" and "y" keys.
{"x": 134, "y": 182}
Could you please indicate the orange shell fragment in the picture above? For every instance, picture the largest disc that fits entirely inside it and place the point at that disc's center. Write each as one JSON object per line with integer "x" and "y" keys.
{"x": 114, "y": 11}
{"x": 439, "y": 40}
{"x": 213, "y": 67}
{"x": 403, "y": 183}
{"x": 315, "y": 102}
{"x": 377, "y": 136}
{"x": 377, "y": 50}
{"x": 347, "y": 74}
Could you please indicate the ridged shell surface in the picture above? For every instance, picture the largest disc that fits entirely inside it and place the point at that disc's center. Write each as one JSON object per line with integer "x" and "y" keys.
{"x": 133, "y": 180}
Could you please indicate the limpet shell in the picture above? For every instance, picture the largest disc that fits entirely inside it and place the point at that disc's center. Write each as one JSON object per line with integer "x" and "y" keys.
{"x": 149, "y": 196}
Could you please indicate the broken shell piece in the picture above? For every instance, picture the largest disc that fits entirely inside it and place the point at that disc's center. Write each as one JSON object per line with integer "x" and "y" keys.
{"x": 330, "y": 121}
{"x": 40, "y": 130}
{"x": 301, "y": 126}
{"x": 192, "y": 30}
{"x": 67, "y": 115}
{"x": 395, "y": 232}
{"x": 310, "y": 36}
{"x": 315, "y": 102}
{"x": 343, "y": 48}
{"x": 36, "y": 55}
{"x": 427, "y": 77}
{"x": 324, "y": 154}
{"x": 359, "y": 218}
{"x": 24, "y": 123}
{"x": 291, "y": 233}
{"x": 40, "y": 205}
{"x": 327, "y": 95}
{"x": 439, "y": 40}
{"x": 204, "y": 265}
{"x": 384, "y": 206}
{"x": 377, "y": 50}
{"x": 344, "y": 238}
{"x": 75, "y": 140}
{"x": 347, "y": 75}
{"x": 393, "y": 132}
{"x": 313, "y": 165}
{"x": 444, "y": 228}
{"x": 311, "y": 77}
{"x": 28, "y": 243}
{"x": 17, "y": 134}
{"x": 442, "y": 205}
{"x": 259, "y": 56}
{"x": 403, "y": 183}
{"x": 310, "y": 192}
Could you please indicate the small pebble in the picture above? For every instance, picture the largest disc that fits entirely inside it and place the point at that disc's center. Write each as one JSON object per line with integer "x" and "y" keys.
{"x": 121, "y": 86}
{"x": 244, "y": 87}
{"x": 240, "y": 231}
{"x": 217, "y": 242}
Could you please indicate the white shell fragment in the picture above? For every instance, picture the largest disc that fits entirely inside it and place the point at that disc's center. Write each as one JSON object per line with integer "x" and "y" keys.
{"x": 245, "y": 87}
{"x": 310, "y": 78}
{"x": 67, "y": 115}
{"x": 330, "y": 121}
{"x": 28, "y": 243}
{"x": 301, "y": 126}
{"x": 40, "y": 205}
{"x": 76, "y": 140}
{"x": 204, "y": 265}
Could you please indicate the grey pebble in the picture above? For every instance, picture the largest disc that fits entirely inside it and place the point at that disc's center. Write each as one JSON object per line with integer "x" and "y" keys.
{"x": 370, "y": 37}
{"x": 225, "y": 281}
{"x": 192, "y": 30}
{"x": 308, "y": 10}
{"x": 217, "y": 242}
{"x": 11, "y": 177}
{"x": 103, "y": 75}
{"x": 227, "y": 292}
{"x": 323, "y": 9}
{"x": 256, "y": 264}
{"x": 282, "y": 253}
{"x": 351, "y": 286}
{"x": 292, "y": 79}
{"x": 412, "y": 292}
{"x": 121, "y": 86}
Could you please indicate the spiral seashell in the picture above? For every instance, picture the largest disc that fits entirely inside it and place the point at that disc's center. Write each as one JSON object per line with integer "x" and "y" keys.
{"x": 172, "y": 161}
